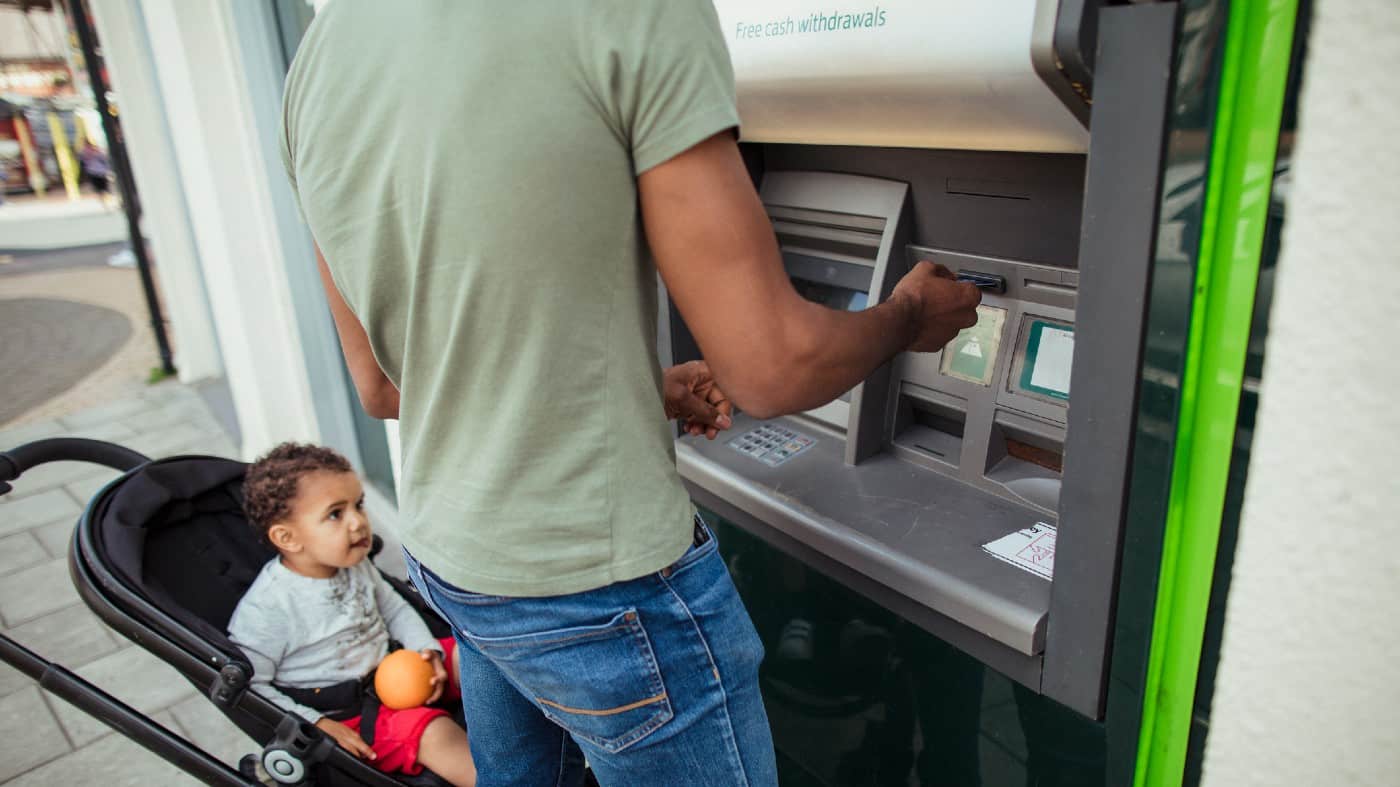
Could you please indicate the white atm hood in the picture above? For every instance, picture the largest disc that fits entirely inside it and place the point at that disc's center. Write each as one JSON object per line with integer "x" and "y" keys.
{"x": 901, "y": 73}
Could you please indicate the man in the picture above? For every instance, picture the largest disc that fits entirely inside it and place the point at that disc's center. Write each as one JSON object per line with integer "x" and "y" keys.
{"x": 486, "y": 181}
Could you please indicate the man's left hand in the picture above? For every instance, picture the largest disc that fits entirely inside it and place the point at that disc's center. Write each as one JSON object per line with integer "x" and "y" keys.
{"x": 692, "y": 396}
{"x": 439, "y": 674}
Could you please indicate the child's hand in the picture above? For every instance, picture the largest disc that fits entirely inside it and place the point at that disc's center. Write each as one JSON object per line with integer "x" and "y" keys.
{"x": 439, "y": 674}
{"x": 347, "y": 738}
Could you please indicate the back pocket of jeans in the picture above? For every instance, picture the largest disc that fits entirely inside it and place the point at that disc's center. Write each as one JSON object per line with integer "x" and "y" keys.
{"x": 601, "y": 683}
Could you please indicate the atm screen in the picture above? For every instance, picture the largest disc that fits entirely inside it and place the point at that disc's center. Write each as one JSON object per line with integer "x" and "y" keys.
{"x": 1048, "y": 354}
{"x": 842, "y": 298}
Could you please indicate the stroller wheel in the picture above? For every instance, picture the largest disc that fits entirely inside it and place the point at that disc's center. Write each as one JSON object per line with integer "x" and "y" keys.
{"x": 282, "y": 767}
{"x": 296, "y": 745}
{"x": 251, "y": 767}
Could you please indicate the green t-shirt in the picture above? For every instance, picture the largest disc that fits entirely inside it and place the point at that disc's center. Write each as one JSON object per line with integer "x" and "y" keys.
{"x": 469, "y": 170}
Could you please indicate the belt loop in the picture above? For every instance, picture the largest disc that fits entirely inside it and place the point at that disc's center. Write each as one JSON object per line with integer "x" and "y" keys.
{"x": 419, "y": 580}
{"x": 702, "y": 532}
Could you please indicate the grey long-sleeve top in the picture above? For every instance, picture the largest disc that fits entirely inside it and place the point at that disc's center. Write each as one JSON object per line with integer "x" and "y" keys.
{"x": 304, "y": 632}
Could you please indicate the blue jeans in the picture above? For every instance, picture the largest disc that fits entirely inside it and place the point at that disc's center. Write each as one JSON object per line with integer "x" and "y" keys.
{"x": 655, "y": 679}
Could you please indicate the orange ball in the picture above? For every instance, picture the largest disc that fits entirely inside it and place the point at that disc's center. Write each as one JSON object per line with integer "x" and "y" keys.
{"x": 404, "y": 680}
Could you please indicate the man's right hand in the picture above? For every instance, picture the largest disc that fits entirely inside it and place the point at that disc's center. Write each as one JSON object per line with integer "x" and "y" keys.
{"x": 347, "y": 738}
{"x": 939, "y": 305}
{"x": 772, "y": 351}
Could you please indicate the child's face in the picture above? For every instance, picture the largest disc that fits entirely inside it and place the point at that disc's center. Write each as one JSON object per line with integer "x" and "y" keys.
{"x": 327, "y": 528}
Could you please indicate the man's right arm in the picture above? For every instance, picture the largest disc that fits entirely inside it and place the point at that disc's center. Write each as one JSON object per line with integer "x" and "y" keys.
{"x": 772, "y": 351}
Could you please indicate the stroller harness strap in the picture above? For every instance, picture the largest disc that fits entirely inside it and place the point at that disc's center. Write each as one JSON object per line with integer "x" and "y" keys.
{"x": 345, "y": 700}
{"x": 342, "y": 701}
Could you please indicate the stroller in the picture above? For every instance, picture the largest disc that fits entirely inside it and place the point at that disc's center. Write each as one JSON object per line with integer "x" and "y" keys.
{"x": 163, "y": 554}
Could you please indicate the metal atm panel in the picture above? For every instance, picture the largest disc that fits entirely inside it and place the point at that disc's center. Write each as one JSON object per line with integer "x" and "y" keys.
{"x": 893, "y": 490}
{"x": 906, "y": 73}
{"x": 852, "y": 480}
{"x": 842, "y": 234}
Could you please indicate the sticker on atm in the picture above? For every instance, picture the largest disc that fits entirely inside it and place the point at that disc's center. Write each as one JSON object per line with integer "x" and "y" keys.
{"x": 1031, "y": 549}
{"x": 972, "y": 355}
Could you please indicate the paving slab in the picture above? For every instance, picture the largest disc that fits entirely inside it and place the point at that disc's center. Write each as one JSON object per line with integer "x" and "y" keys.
{"x": 73, "y": 637}
{"x": 183, "y": 437}
{"x": 54, "y": 536}
{"x": 22, "y": 513}
{"x": 28, "y": 433}
{"x": 84, "y": 491}
{"x": 107, "y": 413}
{"x": 111, "y": 431}
{"x": 29, "y": 735}
{"x": 112, "y": 761}
{"x": 212, "y": 731}
{"x": 20, "y": 551}
{"x": 27, "y": 594}
{"x": 169, "y": 391}
{"x": 40, "y": 608}
{"x": 132, "y": 675}
{"x": 170, "y": 414}
{"x": 220, "y": 447}
{"x": 12, "y": 680}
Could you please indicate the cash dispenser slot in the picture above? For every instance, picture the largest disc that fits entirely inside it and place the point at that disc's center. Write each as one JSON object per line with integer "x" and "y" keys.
{"x": 929, "y": 427}
{"x": 1026, "y": 458}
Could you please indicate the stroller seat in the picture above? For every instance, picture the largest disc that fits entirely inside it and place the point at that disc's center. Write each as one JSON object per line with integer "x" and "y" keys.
{"x": 164, "y": 554}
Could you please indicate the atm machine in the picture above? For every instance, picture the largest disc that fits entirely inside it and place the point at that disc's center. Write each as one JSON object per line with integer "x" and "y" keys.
{"x": 950, "y": 528}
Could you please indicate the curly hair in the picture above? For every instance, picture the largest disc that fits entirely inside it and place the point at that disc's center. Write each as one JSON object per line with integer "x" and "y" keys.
{"x": 271, "y": 482}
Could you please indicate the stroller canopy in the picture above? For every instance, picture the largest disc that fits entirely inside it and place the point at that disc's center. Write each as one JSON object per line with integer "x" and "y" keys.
{"x": 175, "y": 531}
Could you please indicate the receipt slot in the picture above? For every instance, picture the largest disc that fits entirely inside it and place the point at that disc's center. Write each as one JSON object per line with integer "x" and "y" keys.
{"x": 977, "y": 492}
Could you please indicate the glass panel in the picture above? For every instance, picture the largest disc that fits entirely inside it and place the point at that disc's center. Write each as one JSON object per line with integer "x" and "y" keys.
{"x": 831, "y": 296}
{"x": 291, "y": 18}
{"x": 1249, "y": 403}
{"x": 1189, "y": 124}
{"x": 859, "y": 696}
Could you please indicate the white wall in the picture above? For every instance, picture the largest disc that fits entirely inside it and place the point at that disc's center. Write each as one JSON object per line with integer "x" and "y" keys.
{"x": 1307, "y": 691}
{"x": 225, "y": 180}
{"x": 122, "y": 32}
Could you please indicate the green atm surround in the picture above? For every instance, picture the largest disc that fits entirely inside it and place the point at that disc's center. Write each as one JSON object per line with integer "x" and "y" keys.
{"x": 863, "y": 686}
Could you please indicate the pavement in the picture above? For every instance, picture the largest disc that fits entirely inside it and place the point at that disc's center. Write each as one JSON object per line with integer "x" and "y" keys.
{"x": 43, "y": 740}
{"x": 77, "y": 351}
{"x": 62, "y": 359}
{"x": 32, "y": 327}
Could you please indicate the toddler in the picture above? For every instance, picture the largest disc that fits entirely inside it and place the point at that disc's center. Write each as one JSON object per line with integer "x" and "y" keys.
{"x": 319, "y": 618}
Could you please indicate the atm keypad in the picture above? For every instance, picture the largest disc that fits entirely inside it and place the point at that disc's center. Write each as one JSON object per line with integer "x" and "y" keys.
{"x": 771, "y": 445}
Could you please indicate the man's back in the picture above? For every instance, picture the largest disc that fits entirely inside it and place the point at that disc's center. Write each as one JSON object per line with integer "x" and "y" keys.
{"x": 469, "y": 171}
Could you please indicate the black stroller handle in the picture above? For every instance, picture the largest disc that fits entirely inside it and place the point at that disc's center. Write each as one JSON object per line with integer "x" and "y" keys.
{"x": 16, "y": 461}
